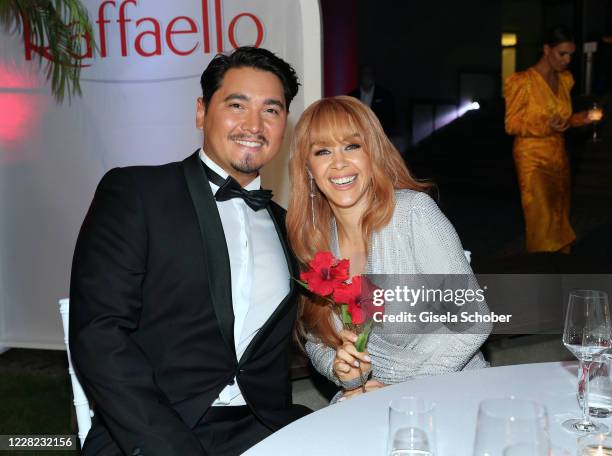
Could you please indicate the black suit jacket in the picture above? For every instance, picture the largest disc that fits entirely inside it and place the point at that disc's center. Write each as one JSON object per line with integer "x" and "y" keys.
{"x": 382, "y": 105}
{"x": 151, "y": 318}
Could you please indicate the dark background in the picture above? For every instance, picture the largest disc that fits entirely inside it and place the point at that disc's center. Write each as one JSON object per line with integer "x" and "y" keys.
{"x": 420, "y": 48}
{"x": 436, "y": 56}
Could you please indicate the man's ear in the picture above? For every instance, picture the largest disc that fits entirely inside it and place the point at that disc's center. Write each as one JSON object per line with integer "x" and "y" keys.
{"x": 200, "y": 113}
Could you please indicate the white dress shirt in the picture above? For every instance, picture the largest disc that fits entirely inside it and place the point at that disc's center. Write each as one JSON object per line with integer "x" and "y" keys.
{"x": 367, "y": 96}
{"x": 259, "y": 270}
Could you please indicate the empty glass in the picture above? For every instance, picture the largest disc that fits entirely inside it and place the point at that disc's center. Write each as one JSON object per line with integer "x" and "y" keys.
{"x": 411, "y": 427}
{"x": 503, "y": 423}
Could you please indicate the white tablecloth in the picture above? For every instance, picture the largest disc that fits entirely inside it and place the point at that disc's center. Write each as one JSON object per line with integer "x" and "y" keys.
{"x": 359, "y": 426}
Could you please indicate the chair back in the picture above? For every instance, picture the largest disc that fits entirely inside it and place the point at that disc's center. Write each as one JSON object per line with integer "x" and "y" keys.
{"x": 81, "y": 404}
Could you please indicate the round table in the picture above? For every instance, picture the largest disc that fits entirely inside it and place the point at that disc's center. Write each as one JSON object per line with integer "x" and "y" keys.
{"x": 359, "y": 426}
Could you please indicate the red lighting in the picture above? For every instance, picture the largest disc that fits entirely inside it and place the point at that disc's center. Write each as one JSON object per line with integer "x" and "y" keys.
{"x": 16, "y": 113}
{"x": 21, "y": 105}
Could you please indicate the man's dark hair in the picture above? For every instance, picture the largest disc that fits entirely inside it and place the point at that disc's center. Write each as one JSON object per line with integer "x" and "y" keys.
{"x": 249, "y": 57}
{"x": 557, "y": 35}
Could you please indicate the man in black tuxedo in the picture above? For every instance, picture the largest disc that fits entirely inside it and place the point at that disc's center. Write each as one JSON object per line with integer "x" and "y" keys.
{"x": 182, "y": 306}
{"x": 376, "y": 97}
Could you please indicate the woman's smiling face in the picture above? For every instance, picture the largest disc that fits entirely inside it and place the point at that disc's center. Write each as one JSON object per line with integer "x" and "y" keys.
{"x": 342, "y": 171}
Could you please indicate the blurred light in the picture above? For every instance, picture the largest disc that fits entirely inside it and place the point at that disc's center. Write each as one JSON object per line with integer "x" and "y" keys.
{"x": 15, "y": 116}
{"x": 21, "y": 108}
{"x": 509, "y": 39}
{"x": 469, "y": 106}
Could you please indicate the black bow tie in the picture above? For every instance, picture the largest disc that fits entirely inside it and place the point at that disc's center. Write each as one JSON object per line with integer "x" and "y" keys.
{"x": 230, "y": 188}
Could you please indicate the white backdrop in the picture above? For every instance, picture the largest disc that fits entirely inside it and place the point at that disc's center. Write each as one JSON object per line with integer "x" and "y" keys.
{"x": 138, "y": 107}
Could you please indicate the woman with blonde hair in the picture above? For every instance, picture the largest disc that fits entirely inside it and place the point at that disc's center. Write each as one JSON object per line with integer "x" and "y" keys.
{"x": 353, "y": 195}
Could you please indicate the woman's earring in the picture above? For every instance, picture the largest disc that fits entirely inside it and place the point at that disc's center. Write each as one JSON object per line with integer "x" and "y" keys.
{"x": 312, "y": 197}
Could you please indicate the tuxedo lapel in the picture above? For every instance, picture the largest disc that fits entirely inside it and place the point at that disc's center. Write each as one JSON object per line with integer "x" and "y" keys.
{"x": 276, "y": 213}
{"x": 215, "y": 247}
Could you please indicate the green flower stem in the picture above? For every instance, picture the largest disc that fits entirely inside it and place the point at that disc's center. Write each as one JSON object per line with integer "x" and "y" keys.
{"x": 347, "y": 321}
{"x": 362, "y": 338}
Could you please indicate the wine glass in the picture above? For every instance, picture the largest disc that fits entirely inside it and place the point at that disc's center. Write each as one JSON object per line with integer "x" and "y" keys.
{"x": 600, "y": 387}
{"x": 595, "y": 114}
{"x": 586, "y": 334}
{"x": 504, "y": 423}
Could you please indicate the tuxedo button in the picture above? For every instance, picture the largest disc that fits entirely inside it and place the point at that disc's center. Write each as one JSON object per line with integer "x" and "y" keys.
{"x": 242, "y": 371}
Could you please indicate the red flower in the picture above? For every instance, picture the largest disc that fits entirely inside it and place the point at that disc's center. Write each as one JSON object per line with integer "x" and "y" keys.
{"x": 358, "y": 295}
{"x": 358, "y": 315}
{"x": 348, "y": 293}
{"x": 325, "y": 274}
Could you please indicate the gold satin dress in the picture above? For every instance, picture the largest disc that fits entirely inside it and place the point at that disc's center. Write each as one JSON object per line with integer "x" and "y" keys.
{"x": 540, "y": 157}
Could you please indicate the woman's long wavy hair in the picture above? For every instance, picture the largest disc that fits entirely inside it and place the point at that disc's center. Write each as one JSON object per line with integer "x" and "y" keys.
{"x": 333, "y": 120}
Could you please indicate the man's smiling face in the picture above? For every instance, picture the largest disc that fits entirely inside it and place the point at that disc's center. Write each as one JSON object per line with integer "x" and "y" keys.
{"x": 244, "y": 122}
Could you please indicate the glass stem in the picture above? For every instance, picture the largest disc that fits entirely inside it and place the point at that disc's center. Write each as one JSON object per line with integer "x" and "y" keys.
{"x": 581, "y": 381}
{"x": 586, "y": 366}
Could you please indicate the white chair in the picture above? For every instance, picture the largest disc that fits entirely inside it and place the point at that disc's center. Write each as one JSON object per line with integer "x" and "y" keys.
{"x": 468, "y": 255}
{"x": 81, "y": 404}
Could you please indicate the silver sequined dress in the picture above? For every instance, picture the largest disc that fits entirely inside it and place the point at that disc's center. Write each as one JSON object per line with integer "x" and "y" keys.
{"x": 418, "y": 240}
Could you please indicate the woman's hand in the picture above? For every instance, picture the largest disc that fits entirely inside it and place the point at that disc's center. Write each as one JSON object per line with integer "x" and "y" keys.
{"x": 370, "y": 385}
{"x": 348, "y": 360}
{"x": 584, "y": 117}
{"x": 593, "y": 115}
{"x": 558, "y": 124}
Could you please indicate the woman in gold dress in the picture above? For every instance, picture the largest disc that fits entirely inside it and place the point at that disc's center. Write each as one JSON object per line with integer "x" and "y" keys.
{"x": 538, "y": 111}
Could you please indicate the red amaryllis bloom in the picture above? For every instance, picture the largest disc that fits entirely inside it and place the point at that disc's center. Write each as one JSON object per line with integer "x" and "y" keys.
{"x": 325, "y": 274}
{"x": 358, "y": 295}
{"x": 358, "y": 315}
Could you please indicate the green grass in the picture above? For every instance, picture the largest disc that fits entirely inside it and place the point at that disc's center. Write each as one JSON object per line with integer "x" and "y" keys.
{"x": 35, "y": 403}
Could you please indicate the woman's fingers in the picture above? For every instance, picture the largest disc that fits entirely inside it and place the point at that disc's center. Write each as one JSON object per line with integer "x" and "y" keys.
{"x": 342, "y": 367}
{"x": 360, "y": 357}
{"x": 348, "y": 336}
{"x": 370, "y": 385}
{"x": 344, "y": 355}
{"x": 348, "y": 367}
{"x": 349, "y": 363}
{"x": 350, "y": 394}
{"x": 558, "y": 124}
{"x": 344, "y": 371}
{"x": 349, "y": 354}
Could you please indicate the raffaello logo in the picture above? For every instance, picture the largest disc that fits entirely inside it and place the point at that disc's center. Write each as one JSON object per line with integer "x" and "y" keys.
{"x": 146, "y": 29}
